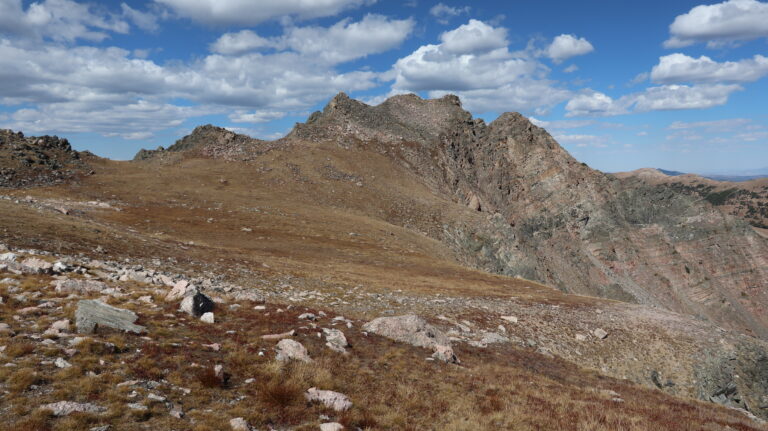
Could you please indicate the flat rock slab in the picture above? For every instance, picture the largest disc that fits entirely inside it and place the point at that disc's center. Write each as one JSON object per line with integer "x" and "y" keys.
{"x": 91, "y": 314}
{"x": 414, "y": 330}
{"x": 65, "y": 408}
{"x": 79, "y": 286}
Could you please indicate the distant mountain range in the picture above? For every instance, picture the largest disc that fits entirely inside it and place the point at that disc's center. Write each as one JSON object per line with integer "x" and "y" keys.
{"x": 729, "y": 176}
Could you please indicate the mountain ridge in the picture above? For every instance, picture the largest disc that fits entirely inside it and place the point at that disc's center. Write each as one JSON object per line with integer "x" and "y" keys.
{"x": 550, "y": 218}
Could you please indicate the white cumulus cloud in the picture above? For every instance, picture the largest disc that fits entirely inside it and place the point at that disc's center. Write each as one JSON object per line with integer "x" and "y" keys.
{"x": 594, "y": 103}
{"x": 348, "y": 40}
{"x": 249, "y": 12}
{"x": 566, "y": 46}
{"x": 475, "y": 37}
{"x": 240, "y": 42}
{"x": 659, "y": 98}
{"x": 344, "y": 41}
{"x": 671, "y": 97}
{"x": 444, "y": 12}
{"x": 675, "y": 68}
{"x": 473, "y": 61}
{"x": 720, "y": 23}
{"x": 58, "y": 20}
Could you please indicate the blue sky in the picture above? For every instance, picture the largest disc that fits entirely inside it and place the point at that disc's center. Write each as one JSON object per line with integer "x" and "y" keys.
{"x": 679, "y": 85}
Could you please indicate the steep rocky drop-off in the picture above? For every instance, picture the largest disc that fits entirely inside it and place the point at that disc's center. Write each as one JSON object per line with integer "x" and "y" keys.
{"x": 555, "y": 220}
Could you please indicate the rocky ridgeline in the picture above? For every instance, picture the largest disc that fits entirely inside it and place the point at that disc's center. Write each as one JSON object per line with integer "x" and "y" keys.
{"x": 555, "y": 220}
{"x": 211, "y": 142}
{"x": 38, "y": 161}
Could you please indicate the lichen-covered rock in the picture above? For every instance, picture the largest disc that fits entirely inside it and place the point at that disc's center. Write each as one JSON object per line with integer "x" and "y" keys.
{"x": 180, "y": 290}
{"x": 79, "y": 286}
{"x": 93, "y": 314}
{"x": 333, "y": 400}
{"x": 335, "y": 340}
{"x": 35, "y": 265}
{"x": 65, "y": 408}
{"x": 288, "y": 349}
{"x": 413, "y": 330}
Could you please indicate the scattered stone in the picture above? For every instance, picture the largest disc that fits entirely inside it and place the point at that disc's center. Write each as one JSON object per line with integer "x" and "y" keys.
{"x": 102, "y": 428}
{"x": 61, "y": 363}
{"x": 61, "y": 267}
{"x": 307, "y": 316}
{"x": 445, "y": 353}
{"x": 79, "y": 286}
{"x": 158, "y": 398}
{"x": 581, "y": 337}
{"x": 176, "y": 411}
{"x": 492, "y": 338}
{"x": 335, "y": 340}
{"x": 5, "y": 328}
{"x": 180, "y": 290}
{"x": 9, "y": 257}
{"x": 28, "y": 311}
{"x": 137, "y": 406}
{"x": 600, "y": 333}
{"x": 58, "y": 328}
{"x": 239, "y": 424}
{"x": 36, "y": 265}
{"x": 207, "y": 317}
{"x": 196, "y": 305}
{"x": 288, "y": 334}
{"x": 413, "y": 330}
{"x": 331, "y": 426}
{"x": 91, "y": 314}
{"x": 510, "y": 319}
{"x": 290, "y": 349}
{"x": 333, "y": 400}
{"x": 65, "y": 408}
{"x": 146, "y": 299}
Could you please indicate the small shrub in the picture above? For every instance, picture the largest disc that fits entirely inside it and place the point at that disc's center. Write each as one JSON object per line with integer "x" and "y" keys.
{"x": 208, "y": 378}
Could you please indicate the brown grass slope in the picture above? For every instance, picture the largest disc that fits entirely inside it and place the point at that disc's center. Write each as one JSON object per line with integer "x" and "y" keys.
{"x": 390, "y": 384}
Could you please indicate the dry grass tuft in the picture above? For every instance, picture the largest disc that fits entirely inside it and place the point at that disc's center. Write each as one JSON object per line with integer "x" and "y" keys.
{"x": 22, "y": 379}
{"x": 19, "y": 348}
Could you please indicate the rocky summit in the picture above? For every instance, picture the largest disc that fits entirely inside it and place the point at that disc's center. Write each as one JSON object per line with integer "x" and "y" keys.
{"x": 36, "y": 161}
{"x": 399, "y": 266}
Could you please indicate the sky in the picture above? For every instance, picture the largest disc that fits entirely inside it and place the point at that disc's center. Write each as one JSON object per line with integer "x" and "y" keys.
{"x": 679, "y": 85}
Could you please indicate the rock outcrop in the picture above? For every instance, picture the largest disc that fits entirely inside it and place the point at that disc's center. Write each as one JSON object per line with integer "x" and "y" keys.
{"x": 38, "y": 161}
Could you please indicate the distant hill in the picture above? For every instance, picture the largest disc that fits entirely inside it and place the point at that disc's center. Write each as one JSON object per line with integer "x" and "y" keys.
{"x": 745, "y": 197}
{"x": 745, "y": 176}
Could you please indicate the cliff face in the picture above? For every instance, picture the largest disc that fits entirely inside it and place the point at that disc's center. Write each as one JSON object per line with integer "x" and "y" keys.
{"x": 555, "y": 220}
